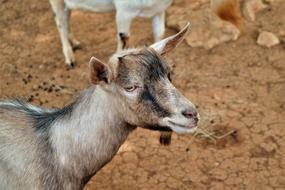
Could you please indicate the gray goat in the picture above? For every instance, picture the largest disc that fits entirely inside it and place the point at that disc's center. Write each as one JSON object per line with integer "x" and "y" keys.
{"x": 61, "y": 149}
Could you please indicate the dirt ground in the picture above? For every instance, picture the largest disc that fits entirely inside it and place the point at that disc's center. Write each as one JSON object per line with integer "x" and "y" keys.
{"x": 238, "y": 85}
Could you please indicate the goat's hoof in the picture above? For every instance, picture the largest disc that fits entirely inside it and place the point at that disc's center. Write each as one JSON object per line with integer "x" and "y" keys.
{"x": 76, "y": 46}
{"x": 71, "y": 65}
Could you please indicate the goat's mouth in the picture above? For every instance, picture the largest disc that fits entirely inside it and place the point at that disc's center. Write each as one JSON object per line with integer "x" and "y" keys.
{"x": 179, "y": 128}
{"x": 183, "y": 126}
{"x": 173, "y": 126}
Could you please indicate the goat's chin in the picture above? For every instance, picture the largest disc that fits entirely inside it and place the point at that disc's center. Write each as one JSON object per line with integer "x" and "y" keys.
{"x": 178, "y": 128}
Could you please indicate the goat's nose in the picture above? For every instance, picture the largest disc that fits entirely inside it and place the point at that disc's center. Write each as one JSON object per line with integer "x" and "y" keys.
{"x": 190, "y": 113}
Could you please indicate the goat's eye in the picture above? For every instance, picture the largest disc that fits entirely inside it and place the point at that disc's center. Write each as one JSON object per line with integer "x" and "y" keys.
{"x": 131, "y": 88}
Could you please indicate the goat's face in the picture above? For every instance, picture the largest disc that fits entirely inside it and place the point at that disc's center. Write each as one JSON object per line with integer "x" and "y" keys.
{"x": 145, "y": 96}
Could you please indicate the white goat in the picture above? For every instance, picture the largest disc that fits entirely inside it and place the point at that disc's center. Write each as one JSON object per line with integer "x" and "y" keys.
{"x": 126, "y": 11}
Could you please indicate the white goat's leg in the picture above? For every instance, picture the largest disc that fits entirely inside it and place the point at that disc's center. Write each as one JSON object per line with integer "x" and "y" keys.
{"x": 75, "y": 43}
{"x": 158, "y": 26}
{"x": 123, "y": 20}
{"x": 61, "y": 16}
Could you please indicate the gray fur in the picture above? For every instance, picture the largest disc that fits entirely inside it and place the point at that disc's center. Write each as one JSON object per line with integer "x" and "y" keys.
{"x": 33, "y": 144}
{"x": 60, "y": 149}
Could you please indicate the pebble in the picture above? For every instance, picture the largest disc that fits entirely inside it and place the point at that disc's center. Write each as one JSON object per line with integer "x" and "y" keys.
{"x": 267, "y": 39}
{"x": 252, "y": 7}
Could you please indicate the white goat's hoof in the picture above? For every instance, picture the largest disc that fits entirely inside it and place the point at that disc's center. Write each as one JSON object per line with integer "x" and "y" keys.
{"x": 71, "y": 64}
{"x": 76, "y": 46}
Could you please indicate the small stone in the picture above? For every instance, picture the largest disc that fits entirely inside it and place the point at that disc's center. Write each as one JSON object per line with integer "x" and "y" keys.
{"x": 267, "y": 39}
{"x": 252, "y": 7}
{"x": 216, "y": 163}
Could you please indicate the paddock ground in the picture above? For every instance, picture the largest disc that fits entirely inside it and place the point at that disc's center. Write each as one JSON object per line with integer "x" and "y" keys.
{"x": 237, "y": 86}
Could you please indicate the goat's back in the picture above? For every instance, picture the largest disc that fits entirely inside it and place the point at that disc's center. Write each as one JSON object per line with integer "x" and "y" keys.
{"x": 18, "y": 149}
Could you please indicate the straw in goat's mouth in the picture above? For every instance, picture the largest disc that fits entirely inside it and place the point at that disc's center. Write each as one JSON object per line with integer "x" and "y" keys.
{"x": 211, "y": 135}
{"x": 166, "y": 133}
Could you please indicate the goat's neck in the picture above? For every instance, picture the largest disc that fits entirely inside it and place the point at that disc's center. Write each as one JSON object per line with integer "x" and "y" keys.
{"x": 89, "y": 138}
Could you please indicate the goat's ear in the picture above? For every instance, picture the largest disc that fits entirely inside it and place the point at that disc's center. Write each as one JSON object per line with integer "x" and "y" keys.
{"x": 167, "y": 44}
{"x": 98, "y": 71}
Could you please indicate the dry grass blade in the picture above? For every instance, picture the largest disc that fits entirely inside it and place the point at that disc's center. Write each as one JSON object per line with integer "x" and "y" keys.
{"x": 211, "y": 135}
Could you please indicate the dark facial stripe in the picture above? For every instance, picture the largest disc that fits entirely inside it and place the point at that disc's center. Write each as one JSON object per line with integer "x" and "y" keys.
{"x": 147, "y": 97}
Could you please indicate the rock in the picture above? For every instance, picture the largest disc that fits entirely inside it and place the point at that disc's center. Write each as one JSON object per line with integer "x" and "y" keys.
{"x": 267, "y": 39}
{"x": 210, "y": 31}
{"x": 207, "y": 29}
{"x": 252, "y": 7}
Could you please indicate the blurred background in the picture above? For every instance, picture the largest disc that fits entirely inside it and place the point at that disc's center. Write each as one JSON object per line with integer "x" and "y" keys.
{"x": 234, "y": 73}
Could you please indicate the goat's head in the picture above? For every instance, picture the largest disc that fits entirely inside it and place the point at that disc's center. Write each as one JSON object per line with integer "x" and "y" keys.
{"x": 139, "y": 79}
